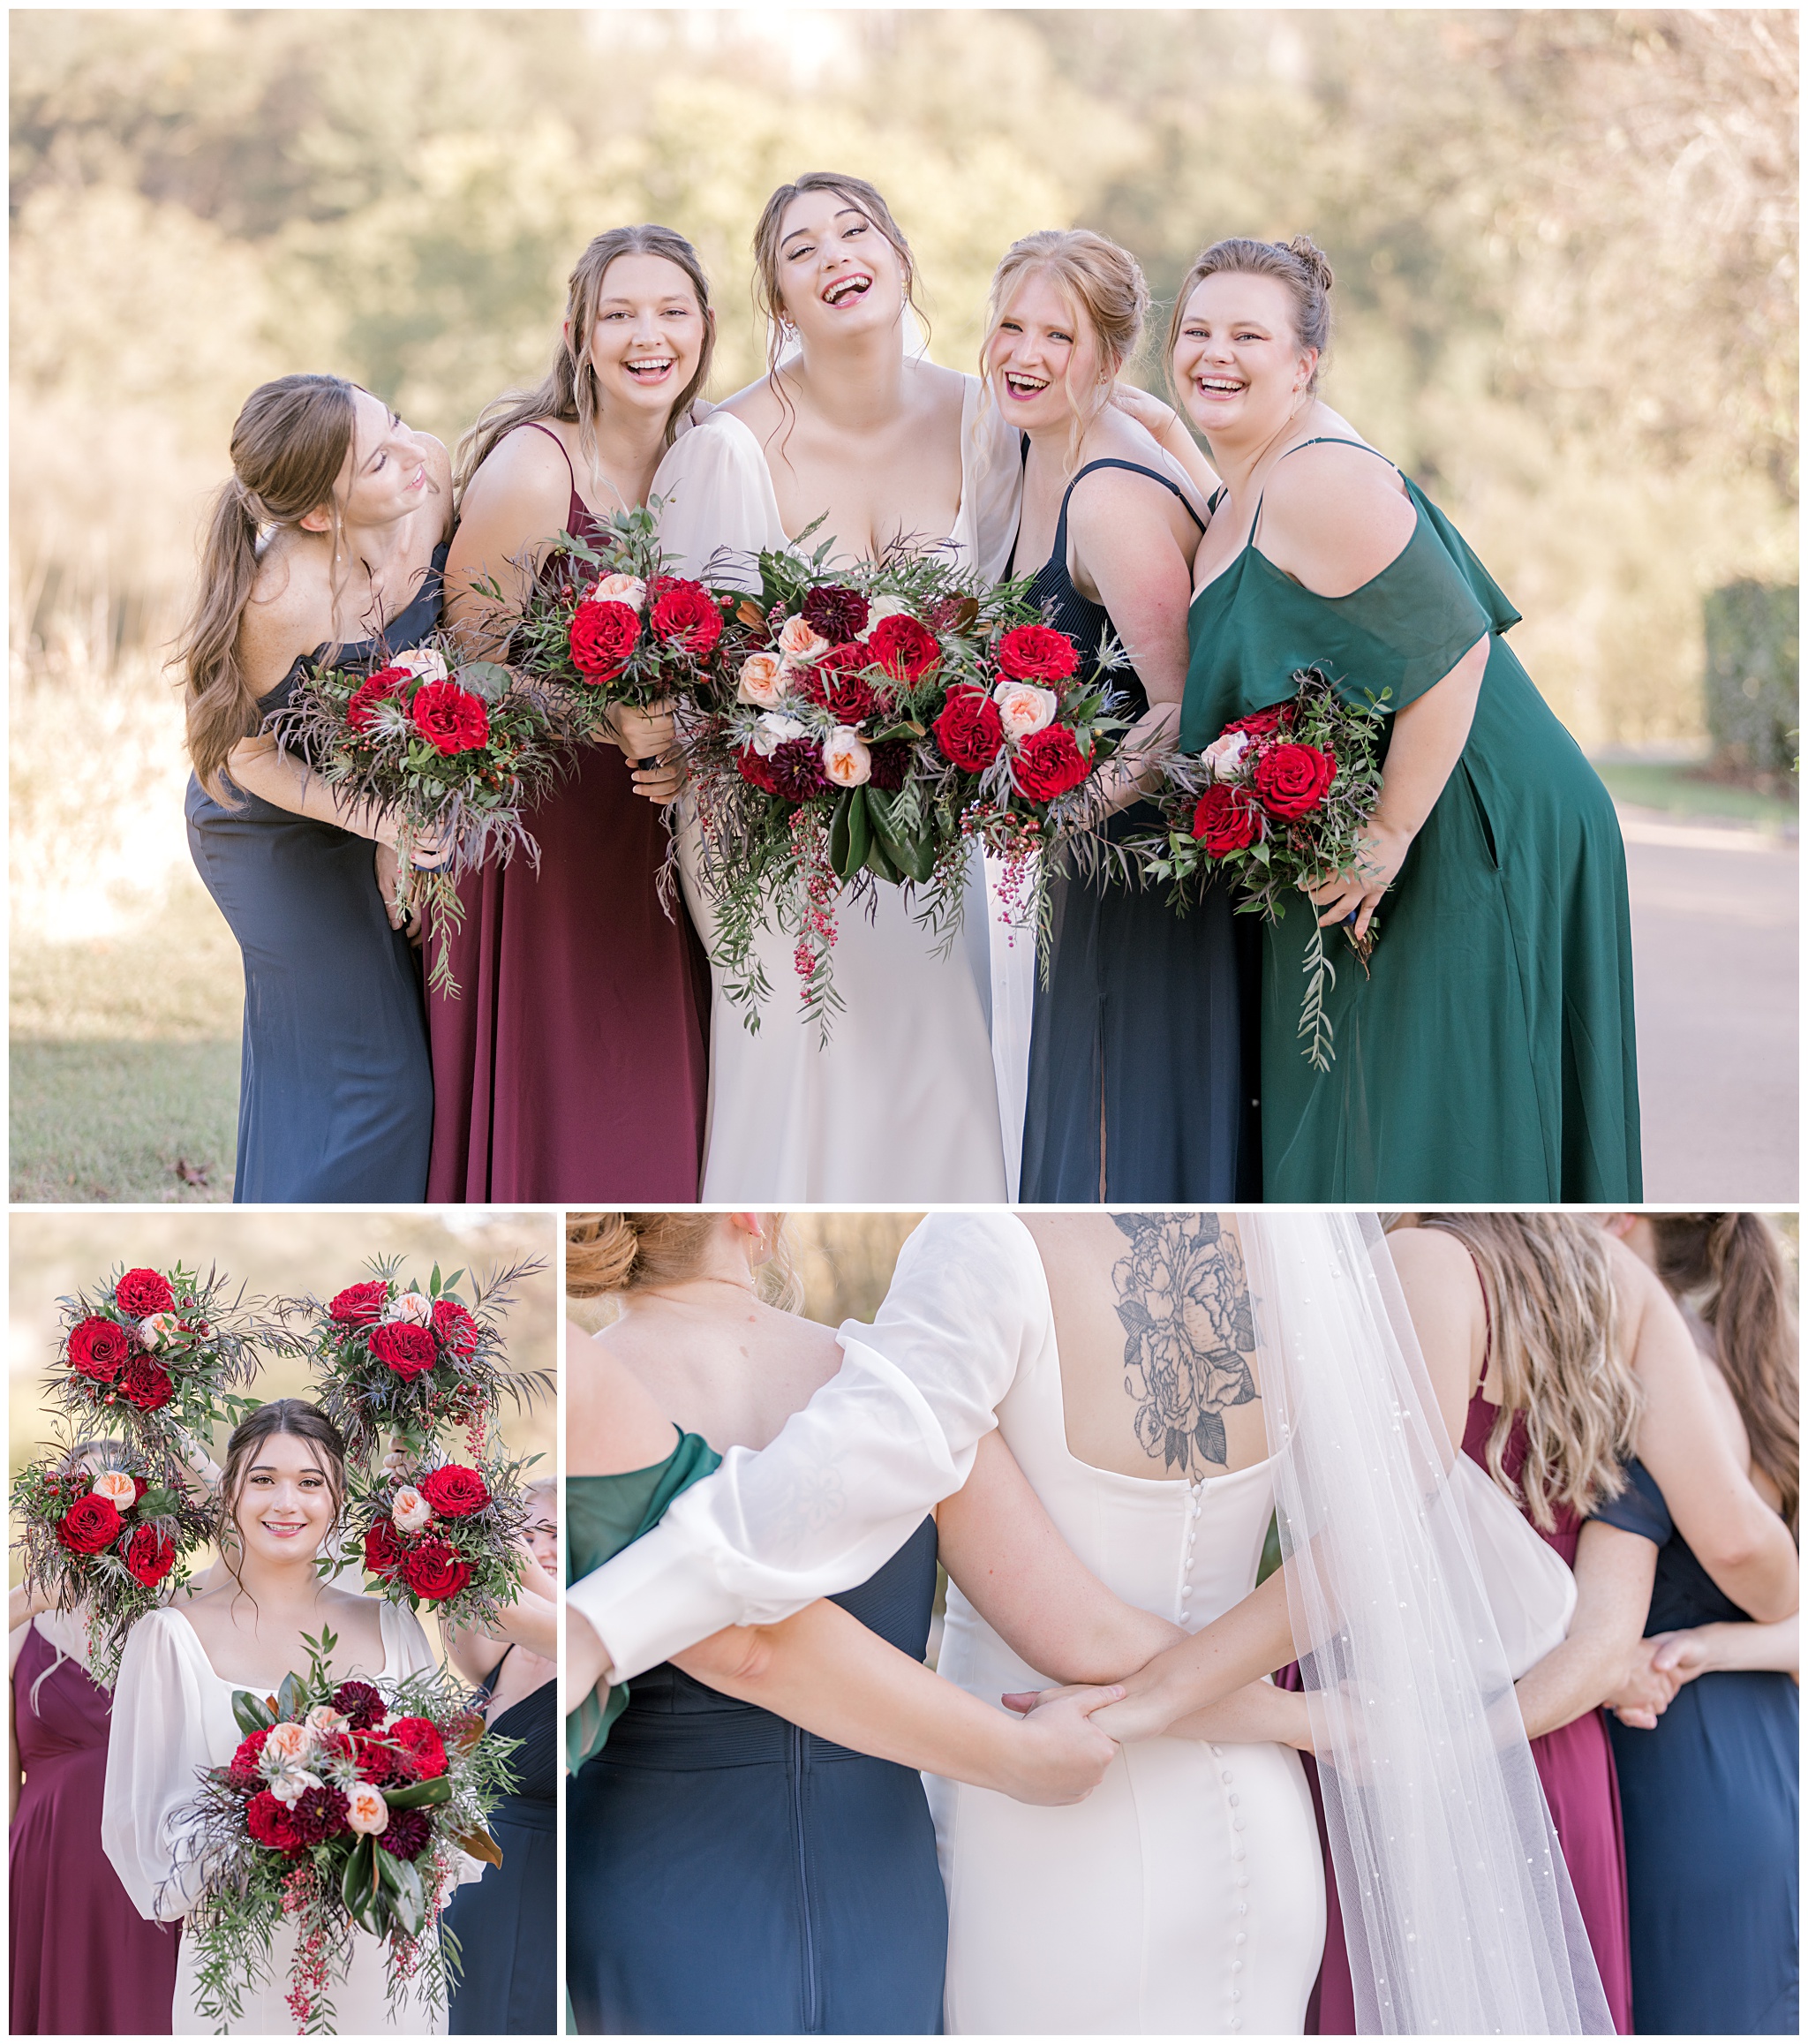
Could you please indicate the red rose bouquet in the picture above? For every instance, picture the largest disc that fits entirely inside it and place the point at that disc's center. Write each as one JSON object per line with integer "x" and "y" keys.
{"x": 867, "y": 725}
{"x": 1278, "y": 803}
{"x": 460, "y": 749}
{"x": 344, "y": 1811}
{"x": 106, "y": 1532}
{"x": 446, "y": 1535}
{"x": 396, "y": 1359}
{"x": 152, "y": 1355}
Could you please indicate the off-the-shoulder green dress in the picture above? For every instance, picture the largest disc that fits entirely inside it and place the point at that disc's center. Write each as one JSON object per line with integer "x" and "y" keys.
{"x": 1488, "y": 1055}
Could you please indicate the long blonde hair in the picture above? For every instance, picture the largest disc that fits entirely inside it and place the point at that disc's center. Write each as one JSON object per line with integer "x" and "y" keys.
{"x": 290, "y": 442}
{"x": 608, "y": 1254}
{"x": 570, "y": 390}
{"x": 1104, "y": 288}
{"x": 1558, "y": 1356}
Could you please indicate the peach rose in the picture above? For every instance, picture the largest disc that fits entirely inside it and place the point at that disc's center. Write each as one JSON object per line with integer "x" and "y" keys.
{"x": 425, "y": 663}
{"x": 763, "y": 678}
{"x": 846, "y": 760}
{"x": 1224, "y": 754}
{"x": 415, "y": 1306}
{"x": 410, "y": 1510}
{"x": 323, "y": 1717}
{"x": 629, "y": 589}
{"x": 115, "y": 1486}
{"x": 365, "y": 1810}
{"x": 154, "y": 1326}
{"x": 800, "y": 643}
{"x": 772, "y": 731}
{"x": 292, "y": 1783}
{"x": 289, "y": 1740}
{"x": 1024, "y": 707}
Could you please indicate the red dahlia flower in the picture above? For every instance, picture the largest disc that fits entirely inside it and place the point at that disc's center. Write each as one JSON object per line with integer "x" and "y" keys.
{"x": 320, "y": 1814}
{"x": 796, "y": 770}
{"x": 890, "y": 763}
{"x": 1036, "y": 652}
{"x": 98, "y": 1348}
{"x": 361, "y": 1702}
{"x": 836, "y": 612}
{"x": 139, "y": 1293}
{"x": 408, "y": 1834}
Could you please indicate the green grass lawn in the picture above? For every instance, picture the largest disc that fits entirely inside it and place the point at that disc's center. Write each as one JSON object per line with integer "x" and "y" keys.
{"x": 125, "y": 1060}
{"x": 1681, "y": 790}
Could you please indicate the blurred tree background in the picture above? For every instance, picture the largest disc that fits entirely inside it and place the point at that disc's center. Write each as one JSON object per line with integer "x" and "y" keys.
{"x": 1566, "y": 252}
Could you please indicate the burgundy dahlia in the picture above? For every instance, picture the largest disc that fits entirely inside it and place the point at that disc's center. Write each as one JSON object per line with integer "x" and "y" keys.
{"x": 408, "y": 1833}
{"x": 360, "y": 1702}
{"x": 319, "y": 1814}
{"x": 796, "y": 769}
{"x": 890, "y": 762}
{"x": 837, "y": 613}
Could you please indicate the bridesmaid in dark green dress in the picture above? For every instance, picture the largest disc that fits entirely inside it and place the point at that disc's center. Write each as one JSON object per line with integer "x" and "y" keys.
{"x": 1488, "y": 1053}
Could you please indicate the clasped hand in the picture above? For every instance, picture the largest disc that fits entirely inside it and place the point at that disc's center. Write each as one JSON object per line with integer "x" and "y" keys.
{"x": 650, "y": 735}
{"x": 1381, "y": 851}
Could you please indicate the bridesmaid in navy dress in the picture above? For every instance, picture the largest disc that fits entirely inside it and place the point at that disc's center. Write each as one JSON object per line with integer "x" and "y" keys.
{"x": 1712, "y": 1795}
{"x": 574, "y": 1066}
{"x": 1135, "y": 1058}
{"x": 331, "y": 535}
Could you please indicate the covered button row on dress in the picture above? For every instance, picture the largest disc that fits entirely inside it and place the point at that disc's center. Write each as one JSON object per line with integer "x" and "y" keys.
{"x": 1239, "y": 1882}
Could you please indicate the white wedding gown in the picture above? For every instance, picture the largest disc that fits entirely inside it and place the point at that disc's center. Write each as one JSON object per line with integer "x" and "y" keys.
{"x": 1187, "y": 1894}
{"x": 172, "y": 1717}
{"x": 903, "y": 1104}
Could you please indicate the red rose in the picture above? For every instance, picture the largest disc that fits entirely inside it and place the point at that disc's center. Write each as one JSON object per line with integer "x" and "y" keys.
{"x": 847, "y": 697}
{"x": 1227, "y": 818}
{"x": 1261, "y": 723}
{"x": 419, "y": 1739}
{"x": 406, "y": 1348}
{"x": 149, "y": 1556}
{"x": 386, "y": 682}
{"x": 684, "y": 614}
{"x": 1293, "y": 779}
{"x": 454, "y": 1326}
{"x": 433, "y": 1570}
{"x": 270, "y": 1824}
{"x": 603, "y": 636}
{"x": 905, "y": 649}
{"x": 1048, "y": 763}
{"x": 450, "y": 718}
{"x": 90, "y": 1524}
{"x": 141, "y": 1291}
{"x": 378, "y": 1760}
{"x": 244, "y": 1773}
{"x": 359, "y": 1305}
{"x": 1035, "y": 653}
{"x": 98, "y": 1348}
{"x": 835, "y": 612}
{"x": 969, "y": 729}
{"x": 147, "y": 1385}
{"x": 755, "y": 769}
{"x": 382, "y": 1552}
{"x": 454, "y": 1491}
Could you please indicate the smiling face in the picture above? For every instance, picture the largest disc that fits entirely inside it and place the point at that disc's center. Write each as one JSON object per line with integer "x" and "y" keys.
{"x": 286, "y": 1504}
{"x": 385, "y": 473}
{"x": 837, "y": 275}
{"x": 1045, "y": 360}
{"x": 1237, "y": 363}
{"x": 647, "y": 335}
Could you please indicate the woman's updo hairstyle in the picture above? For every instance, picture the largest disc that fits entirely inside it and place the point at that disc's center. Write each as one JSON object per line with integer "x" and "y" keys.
{"x": 1105, "y": 286}
{"x": 609, "y": 1253}
{"x": 1299, "y": 264}
{"x": 292, "y": 1416}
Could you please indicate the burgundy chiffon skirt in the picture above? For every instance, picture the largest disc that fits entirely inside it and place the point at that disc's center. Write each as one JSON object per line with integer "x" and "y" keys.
{"x": 84, "y": 1963}
{"x": 573, "y": 1067}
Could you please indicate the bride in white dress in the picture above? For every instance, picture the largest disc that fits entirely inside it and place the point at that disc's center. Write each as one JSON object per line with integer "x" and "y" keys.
{"x": 282, "y": 1491}
{"x": 882, "y": 446}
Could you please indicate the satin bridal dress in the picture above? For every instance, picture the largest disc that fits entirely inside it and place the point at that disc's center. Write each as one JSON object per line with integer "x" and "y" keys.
{"x": 172, "y": 1717}
{"x": 903, "y": 1104}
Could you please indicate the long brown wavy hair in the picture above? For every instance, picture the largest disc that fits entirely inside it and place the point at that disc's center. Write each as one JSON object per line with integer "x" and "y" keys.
{"x": 290, "y": 442}
{"x": 571, "y": 391}
{"x": 1558, "y": 1356}
{"x": 1730, "y": 1268}
{"x": 294, "y": 1416}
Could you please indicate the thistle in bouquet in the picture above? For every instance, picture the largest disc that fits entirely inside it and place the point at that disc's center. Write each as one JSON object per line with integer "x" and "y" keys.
{"x": 343, "y": 1809}
{"x": 444, "y": 1533}
{"x": 106, "y": 1530}
{"x": 398, "y": 1362}
{"x": 1276, "y": 804}
{"x": 460, "y": 749}
{"x": 154, "y": 1354}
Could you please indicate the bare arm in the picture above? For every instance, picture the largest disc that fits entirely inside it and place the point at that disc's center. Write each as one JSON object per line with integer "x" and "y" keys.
{"x": 1450, "y": 1316}
{"x": 1614, "y": 1575}
{"x": 823, "y": 1670}
{"x": 1716, "y": 1648}
{"x": 15, "y": 1774}
{"x": 1165, "y": 426}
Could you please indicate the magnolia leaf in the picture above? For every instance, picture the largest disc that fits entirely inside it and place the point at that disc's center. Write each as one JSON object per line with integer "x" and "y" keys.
{"x": 748, "y": 612}
{"x": 419, "y": 1795}
{"x": 251, "y": 1714}
{"x": 291, "y": 1698}
{"x": 403, "y": 1882}
{"x": 480, "y": 1845}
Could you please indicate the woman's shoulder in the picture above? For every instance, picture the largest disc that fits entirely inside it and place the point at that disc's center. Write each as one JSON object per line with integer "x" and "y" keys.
{"x": 529, "y": 468}
{"x": 612, "y": 1423}
{"x": 289, "y": 615}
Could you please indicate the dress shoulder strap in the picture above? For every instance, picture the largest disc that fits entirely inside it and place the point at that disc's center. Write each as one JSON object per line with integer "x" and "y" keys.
{"x": 1136, "y": 469}
{"x": 1321, "y": 440}
{"x": 535, "y": 425}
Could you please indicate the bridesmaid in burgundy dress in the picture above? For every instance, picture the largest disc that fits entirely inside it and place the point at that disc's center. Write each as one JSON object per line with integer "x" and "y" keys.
{"x": 84, "y": 1963}
{"x": 573, "y": 1065}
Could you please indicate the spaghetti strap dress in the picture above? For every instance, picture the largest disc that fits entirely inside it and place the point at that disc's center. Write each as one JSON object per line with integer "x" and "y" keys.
{"x": 573, "y": 1064}
{"x": 1137, "y": 1045}
{"x": 335, "y": 1087}
{"x": 1712, "y": 1800}
{"x": 507, "y": 1924}
{"x": 1489, "y": 1052}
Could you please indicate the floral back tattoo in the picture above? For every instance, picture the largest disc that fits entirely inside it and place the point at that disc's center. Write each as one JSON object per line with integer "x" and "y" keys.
{"x": 1189, "y": 1335}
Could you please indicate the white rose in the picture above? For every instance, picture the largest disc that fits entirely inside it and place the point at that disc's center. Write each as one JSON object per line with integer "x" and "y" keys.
{"x": 1023, "y": 708}
{"x": 798, "y": 642}
{"x": 410, "y": 1510}
{"x": 292, "y": 1783}
{"x": 115, "y": 1486}
{"x": 885, "y": 607}
{"x": 1224, "y": 754}
{"x": 289, "y": 1741}
{"x": 629, "y": 589}
{"x": 846, "y": 760}
{"x": 423, "y": 662}
{"x": 365, "y": 1810}
{"x": 415, "y": 1306}
{"x": 772, "y": 731}
{"x": 154, "y": 1326}
{"x": 763, "y": 677}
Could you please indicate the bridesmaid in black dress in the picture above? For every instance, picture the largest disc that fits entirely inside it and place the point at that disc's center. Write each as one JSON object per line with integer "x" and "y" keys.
{"x": 331, "y": 535}
{"x": 1135, "y": 1061}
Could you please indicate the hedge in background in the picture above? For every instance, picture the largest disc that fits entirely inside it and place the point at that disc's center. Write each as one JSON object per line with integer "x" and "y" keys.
{"x": 1753, "y": 676}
